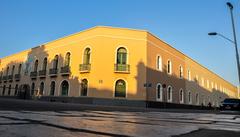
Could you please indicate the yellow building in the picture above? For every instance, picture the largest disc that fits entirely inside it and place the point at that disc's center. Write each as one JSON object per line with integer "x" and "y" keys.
{"x": 117, "y": 66}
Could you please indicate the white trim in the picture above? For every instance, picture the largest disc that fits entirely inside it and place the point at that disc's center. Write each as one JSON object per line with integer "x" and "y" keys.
{"x": 69, "y": 58}
{"x": 121, "y": 46}
{"x": 189, "y": 98}
{"x": 50, "y": 47}
{"x": 90, "y": 60}
{"x": 203, "y": 82}
{"x": 171, "y": 94}
{"x": 204, "y": 100}
{"x": 37, "y": 60}
{"x": 197, "y": 79}
{"x": 60, "y": 89}
{"x": 7, "y": 71}
{"x": 181, "y": 99}
{"x": 170, "y": 73}
{"x": 17, "y": 89}
{"x": 43, "y": 63}
{"x": 81, "y": 87}
{"x": 9, "y": 89}
{"x": 54, "y": 87}
{"x": 159, "y": 64}
{"x": 216, "y": 86}
{"x": 207, "y": 83}
{"x": 161, "y": 92}
{"x": 19, "y": 72}
{"x": 53, "y": 60}
{"x": 181, "y": 72}
{"x": 114, "y": 84}
{"x": 197, "y": 99}
{"x": 13, "y": 69}
{"x": 43, "y": 88}
{"x": 34, "y": 92}
{"x": 90, "y": 37}
{"x": 189, "y": 77}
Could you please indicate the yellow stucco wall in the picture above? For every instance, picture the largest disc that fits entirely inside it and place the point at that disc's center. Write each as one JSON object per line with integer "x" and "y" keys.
{"x": 103, "y": 42}
{"x": 142, "y": 48}
{"x": 206, "y": 93}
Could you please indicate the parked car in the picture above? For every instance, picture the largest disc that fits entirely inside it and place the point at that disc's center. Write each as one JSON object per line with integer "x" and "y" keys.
{"x": 230, "y": 104}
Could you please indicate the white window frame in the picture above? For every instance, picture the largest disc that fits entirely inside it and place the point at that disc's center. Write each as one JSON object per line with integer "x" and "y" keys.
{"x": 159, "y": 63}
{"x": 161, "y": 92}
{"x": 170, "y": 66}
{"x": 189, "y": 97}
{"x": 169, "y": 100}
{"x": 181, "y": 98}
{"x": 181, "y": 71}
{"x": 197, "y": 99}
{"x": 189, "y": 75}
{"x": 207, "y": 83}
{"x": 203, "y": 82}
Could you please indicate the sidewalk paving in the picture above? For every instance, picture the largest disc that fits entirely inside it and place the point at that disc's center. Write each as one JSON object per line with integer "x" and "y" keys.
{"x": 35, "y": 105}
{"x": 36, "y": 118}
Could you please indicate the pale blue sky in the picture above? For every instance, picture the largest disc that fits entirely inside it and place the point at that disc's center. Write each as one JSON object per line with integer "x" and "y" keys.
{"x": 184, "y": 24}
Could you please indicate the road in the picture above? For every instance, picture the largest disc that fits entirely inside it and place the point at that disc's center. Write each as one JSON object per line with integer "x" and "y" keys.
{"x": 73, "y": 120}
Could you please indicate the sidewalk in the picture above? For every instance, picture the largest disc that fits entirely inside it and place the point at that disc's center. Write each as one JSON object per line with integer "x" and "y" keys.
{"x": 35, "y": 105}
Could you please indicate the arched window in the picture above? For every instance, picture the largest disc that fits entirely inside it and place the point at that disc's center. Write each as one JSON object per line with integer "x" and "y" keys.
{"x": 7, "y": 71}
{"x": 181, "y": 72}
{"x": 196, "y": 78}
{"x": 19, "y": 68}
{"x": 55, "y": 62}
{"x": 159, "y": 63}
{"x": 203, "y": 100}
{"x": 207, "y": 83}
{"x": 36, "y": 66}
{"x": 44, "y": 67}
{"x": 4, "y": 88}
{"x": 197, "y": 99}
{"x": 67, "y": 59}
{"x": 203, "y": 82}
{"x": 41, "y": 88}
{"x": 32, "y": 89}
{"x": 64, "y": 88}
{"x": 169, "y": 67}
{"x": 86, "y": 56}
{"x": 121, "y": 56}
{"x": 9, "y": 90}
{"x": 1, "y": 75}
{"x": 120, "y": 88}
{"x": 16, "y": 89}
{"x": 84, "y": 87}
{"x": 169, "y": 94}
{"x": 13, "y": 69}
{"x": 216, "y": 87}
{"x": 52, "y": 88}
{"x": 159, "y": 92}
{"x": 189, "y": 75}
{"x": 181, "y": 96}
{"x": 189, "y": 97}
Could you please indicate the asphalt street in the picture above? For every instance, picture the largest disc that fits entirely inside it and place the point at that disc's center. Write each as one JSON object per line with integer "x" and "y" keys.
{"x": 19, "y": 118}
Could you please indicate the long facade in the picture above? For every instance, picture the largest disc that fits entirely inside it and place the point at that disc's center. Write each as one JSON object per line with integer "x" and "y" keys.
{"x": 112, "y": 63}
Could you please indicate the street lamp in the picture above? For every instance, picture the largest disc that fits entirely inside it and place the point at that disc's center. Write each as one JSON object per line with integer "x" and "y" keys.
{"x": 215, "y": 33}
{"x": 233, "y": 41}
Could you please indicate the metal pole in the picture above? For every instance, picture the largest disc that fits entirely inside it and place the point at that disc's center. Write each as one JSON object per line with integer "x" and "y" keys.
{"x": 235, "y": 41}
